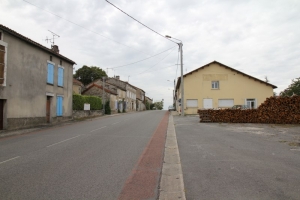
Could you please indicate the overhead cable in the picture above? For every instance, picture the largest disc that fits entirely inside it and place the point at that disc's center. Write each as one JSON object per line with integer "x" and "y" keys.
{"x": 140, "y": 60}
{"x": 140, "y": 22}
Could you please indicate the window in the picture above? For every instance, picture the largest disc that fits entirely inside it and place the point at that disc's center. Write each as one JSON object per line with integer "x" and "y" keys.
{"x": 59, "y": 105}
{"x": 192, "y": 103}
{"x": 251, "y": 103}
{"x": 50, "y": 72}
{"x": 2, "y": 64}
{"x": 226, "y": 103}
{"x": 0, "y": 35}
{"x": 215, "y": 84}
{"x": 50, "y": 58}
{"x": 60, "y": 76}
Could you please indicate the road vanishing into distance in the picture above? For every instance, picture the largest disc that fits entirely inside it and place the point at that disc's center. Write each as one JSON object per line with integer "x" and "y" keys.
{"x": 121, "y": 157}
{"x": 86, "y": 160}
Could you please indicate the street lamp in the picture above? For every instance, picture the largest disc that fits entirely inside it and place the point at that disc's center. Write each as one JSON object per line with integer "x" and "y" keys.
{"x": 181, "y": 64}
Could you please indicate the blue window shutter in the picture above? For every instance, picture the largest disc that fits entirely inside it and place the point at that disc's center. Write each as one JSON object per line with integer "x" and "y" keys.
{"x": 50, "y": 73}
{"x": 62, "y": 76}
{"x": 57, "y": 106}
{"x": 61, "y": 106}
{"x": 60, "y": 81}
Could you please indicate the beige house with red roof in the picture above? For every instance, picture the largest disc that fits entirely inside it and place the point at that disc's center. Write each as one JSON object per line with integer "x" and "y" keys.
{"x": 35, "y": 82}
{"x": 216, "y": 85}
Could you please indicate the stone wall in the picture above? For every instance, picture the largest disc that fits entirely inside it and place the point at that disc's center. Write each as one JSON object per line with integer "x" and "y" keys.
{"x": 77, "y": 114}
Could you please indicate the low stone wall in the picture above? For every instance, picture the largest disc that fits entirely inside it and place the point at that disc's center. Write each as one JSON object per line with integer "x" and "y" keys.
{"x": 26, "y": 122}
{"x": 77, "y": 114}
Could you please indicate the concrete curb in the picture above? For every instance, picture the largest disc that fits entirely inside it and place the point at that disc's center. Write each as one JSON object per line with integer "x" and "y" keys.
{"x": 171, "y": 183}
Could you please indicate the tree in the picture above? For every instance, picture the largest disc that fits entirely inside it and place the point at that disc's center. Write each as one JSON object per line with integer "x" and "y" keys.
{"x": 294, "y": 88}
{"x": 87, "y": 74}
{"x": 159, "y": 105}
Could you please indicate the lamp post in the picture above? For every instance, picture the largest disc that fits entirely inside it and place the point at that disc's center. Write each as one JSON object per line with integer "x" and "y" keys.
{"x": 181, "y": 81}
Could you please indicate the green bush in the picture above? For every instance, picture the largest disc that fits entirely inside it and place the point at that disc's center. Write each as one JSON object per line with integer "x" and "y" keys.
{"x": 95, "y": 102}
{"x": 107, "y": 108}
{"x": 80, "y": 100}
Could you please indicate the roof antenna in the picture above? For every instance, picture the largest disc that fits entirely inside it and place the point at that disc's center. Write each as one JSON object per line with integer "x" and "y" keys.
{"x": 53, "y": 37}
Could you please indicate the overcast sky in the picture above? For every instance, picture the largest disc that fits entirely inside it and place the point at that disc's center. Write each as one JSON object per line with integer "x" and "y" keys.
{"x": 260, "y": 38}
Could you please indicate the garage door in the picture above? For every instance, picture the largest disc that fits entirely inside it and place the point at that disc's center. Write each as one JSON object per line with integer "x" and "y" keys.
{"x": 192, "y": 103}
{"x": 226, "y": 103}
{"x": 207, "y": 103}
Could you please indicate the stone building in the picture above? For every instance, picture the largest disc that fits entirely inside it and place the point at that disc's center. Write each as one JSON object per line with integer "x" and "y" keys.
{"x": 35, "y": 82}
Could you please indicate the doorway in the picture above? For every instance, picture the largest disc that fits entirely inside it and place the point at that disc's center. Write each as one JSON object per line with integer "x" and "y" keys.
{"x": 48, "y": 108}
{"x": 207, "y": 103}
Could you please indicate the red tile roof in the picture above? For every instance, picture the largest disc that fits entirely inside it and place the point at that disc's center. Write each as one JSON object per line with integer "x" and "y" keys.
{"x": 100, "y": 87}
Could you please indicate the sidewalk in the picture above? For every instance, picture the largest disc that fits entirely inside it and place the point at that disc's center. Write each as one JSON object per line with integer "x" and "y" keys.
{"x": 9, "y": 133}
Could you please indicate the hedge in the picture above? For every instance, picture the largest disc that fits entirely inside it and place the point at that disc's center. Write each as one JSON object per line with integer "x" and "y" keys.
{"x": 80, "y": 100}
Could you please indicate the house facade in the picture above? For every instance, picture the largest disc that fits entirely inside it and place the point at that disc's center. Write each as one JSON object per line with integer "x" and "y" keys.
{"x": 35, "y": 82}
{"x": 95, "y": 89}
{"x": 78, "y": 87}
{"x": 216, "y": 85}
{"x": 140, "y": 99}
{"x": 130, "y": 97}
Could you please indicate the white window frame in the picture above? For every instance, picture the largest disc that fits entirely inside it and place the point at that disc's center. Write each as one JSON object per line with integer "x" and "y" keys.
{"x": 255, "y": 102}
{"x": 215, "y": 85}
{"x": 5, "y": 61}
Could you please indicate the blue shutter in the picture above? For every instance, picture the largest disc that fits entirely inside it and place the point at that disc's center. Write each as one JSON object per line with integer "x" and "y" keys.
{"x": 61, "y": 106}
{"x": 57, "y": 106}
{"x": 60, "y": 78}
{"x": 50, "y": 73}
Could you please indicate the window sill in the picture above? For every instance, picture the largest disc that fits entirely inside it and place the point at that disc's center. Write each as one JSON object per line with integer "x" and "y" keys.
{"x": 50, "y": 84}
{"x": 215, "y": 88}
{"x": 60, "y": 86}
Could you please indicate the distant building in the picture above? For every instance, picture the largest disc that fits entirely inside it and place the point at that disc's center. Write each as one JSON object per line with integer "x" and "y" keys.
{"x": 78, "y": 87}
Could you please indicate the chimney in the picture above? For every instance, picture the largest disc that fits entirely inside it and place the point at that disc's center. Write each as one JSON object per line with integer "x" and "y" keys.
{"x": 118, "y": 77}
{"x": 55, "y": 49}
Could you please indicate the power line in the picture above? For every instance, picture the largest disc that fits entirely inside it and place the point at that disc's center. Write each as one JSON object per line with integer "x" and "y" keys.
{"x": 79, "y": 25}
{"x": 155, "y": 64}
{"x": 139, "y": 22}
{"x": 140, "y": 60}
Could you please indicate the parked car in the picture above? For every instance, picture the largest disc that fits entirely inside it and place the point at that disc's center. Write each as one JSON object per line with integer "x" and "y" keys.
{"x": 171, "y": 108}
{"x": 241, "y": 107}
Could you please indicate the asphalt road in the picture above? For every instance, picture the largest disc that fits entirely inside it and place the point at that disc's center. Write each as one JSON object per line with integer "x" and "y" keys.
{"x": 238, "y": 161}
{"x": 86, "y": 160}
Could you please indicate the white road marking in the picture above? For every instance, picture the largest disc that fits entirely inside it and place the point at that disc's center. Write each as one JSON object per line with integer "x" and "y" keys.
{"x": 9, "y": 160}
{"x": 63, "y": 141}
{"x": 116, "y": 122}
{"x": 98, "y": 128}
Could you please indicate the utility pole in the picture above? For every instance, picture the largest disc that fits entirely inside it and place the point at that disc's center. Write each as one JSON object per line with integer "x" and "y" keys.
{"x": 181, "y": 82}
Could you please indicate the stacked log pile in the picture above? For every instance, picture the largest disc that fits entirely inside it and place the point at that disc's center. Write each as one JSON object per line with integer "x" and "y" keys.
{"x": 275, "y": 110}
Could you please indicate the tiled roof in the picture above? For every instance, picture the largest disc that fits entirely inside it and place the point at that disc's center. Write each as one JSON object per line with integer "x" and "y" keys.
{"x": 207, "y": 65}
{"x": 77, "y": 82}
{"x": 100, "y": 87}
{"x": 18, "y": 35}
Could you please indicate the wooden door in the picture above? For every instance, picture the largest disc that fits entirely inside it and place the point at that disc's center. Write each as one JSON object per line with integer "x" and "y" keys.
{"x": 48, "y": 109}
{"x": 1, "y": 113}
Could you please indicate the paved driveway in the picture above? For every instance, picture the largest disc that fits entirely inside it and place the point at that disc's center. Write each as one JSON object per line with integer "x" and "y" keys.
{"x": 239, "y": 161}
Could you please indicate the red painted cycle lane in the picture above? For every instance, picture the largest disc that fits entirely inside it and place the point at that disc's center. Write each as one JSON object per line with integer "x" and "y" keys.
{"x": 144, "y": 179}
